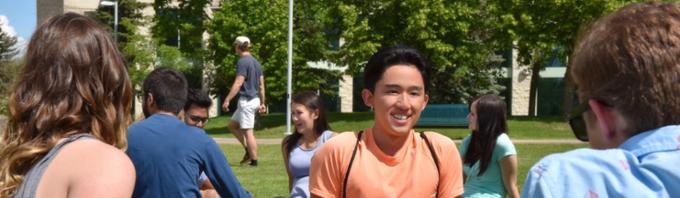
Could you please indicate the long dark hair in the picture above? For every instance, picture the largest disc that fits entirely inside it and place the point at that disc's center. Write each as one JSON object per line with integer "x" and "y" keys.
{"x": 74, "y": 81}
{"x": 491, "y": 122}
{"x": 312, "y": 102}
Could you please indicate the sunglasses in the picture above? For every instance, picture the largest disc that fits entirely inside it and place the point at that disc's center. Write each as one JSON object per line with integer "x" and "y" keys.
{"x": 577, "y": 122}
{"x": 198, "y": 119}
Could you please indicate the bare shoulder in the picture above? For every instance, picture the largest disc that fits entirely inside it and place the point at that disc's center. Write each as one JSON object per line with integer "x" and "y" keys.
{"x": 95, "y": 152}
{"x": 97, "y": 169}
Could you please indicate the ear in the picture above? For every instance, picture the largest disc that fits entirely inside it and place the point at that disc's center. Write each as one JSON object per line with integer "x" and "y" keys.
{"x": 427, "y": 98}
{"x": 367, "y": 96}
{"x": 606, "y": 119}
{"x": 315, "y": 114}
{"x": 149, "y": 99}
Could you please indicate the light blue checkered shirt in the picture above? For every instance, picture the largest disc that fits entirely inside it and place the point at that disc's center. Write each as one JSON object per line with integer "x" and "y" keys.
{"x": 646, "y": 165}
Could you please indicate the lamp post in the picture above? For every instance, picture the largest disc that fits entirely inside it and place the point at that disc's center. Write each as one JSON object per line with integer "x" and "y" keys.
{"x": 290, "y": 67}
{"x": 115, "y": 16}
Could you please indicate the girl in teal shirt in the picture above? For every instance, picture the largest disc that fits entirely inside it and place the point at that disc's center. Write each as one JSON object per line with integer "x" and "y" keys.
{"x": 489, "y": 157}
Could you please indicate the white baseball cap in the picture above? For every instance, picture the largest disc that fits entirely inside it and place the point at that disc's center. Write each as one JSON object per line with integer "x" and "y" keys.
{"x": 241, "y": 40}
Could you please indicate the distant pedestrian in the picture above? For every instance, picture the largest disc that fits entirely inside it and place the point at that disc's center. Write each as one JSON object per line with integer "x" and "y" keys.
{"x": 249, "y": 84}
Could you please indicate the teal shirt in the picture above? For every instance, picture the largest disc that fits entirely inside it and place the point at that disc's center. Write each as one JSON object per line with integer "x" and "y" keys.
{"x": 489, "y": 184}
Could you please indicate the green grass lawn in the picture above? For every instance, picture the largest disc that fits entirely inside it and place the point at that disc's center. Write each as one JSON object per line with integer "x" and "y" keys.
{"x": 273, "y": 126}
{"x": 269, "y": 178}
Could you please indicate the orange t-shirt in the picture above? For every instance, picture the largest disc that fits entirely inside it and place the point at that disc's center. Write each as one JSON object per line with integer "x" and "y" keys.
{"x": 410, "y": 173}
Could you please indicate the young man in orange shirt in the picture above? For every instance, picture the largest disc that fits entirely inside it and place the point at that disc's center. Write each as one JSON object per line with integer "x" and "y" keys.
{"x": 390, "y": 159}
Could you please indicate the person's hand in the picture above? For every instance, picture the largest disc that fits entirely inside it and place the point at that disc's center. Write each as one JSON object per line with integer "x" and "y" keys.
{"x": 225, "y": 106}
{"x": 263, "y": 108}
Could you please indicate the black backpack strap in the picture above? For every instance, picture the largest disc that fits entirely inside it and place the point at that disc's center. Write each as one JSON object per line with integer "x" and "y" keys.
{"x": 354, "y": 153}
{"x": 434, "y": 155}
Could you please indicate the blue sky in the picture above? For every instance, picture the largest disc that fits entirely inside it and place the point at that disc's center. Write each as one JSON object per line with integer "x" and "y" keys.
{"x": 21, "y": 16}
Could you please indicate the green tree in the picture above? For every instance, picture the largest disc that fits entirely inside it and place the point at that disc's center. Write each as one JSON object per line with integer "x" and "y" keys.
{"x": 265, "y": 23}
{"x": 9, "y": 67}
{"x": 181, "y": 24}
{"x": 459, "y": 37}
{"x": 7, "y": 45}
{"x": 543, "y": 30}
{"x": 139, "y": 49}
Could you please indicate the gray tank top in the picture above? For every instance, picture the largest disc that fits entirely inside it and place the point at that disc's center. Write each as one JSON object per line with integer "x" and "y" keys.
{"x": 29, "y": 186}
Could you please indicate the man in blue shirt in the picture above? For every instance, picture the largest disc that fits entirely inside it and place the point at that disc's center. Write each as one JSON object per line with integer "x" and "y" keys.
{"x": 627, "y": 70}
{"x": 167, "y": 153}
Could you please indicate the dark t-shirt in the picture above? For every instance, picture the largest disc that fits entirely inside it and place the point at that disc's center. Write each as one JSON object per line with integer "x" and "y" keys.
{"x": 249, "y": 68}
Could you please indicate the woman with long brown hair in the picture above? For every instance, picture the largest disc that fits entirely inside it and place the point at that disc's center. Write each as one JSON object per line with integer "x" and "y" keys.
{"x": 69, "y": 112}
{"x": 489, "y": 157}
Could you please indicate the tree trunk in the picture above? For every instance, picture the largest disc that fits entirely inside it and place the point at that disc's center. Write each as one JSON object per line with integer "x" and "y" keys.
{"x": 535, "y": 77}
{"x": 569, "y": 92}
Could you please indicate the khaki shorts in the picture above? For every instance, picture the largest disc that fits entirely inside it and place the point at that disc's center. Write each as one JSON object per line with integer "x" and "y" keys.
{"x": 245, "y": 112}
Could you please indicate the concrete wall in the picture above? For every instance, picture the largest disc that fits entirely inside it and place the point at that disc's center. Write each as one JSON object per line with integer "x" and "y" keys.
{"x": 521, "y": 82}
{"x": 48, "y": 8}
{"x": 345, "y": 93}
{"x": 80, "y": 6}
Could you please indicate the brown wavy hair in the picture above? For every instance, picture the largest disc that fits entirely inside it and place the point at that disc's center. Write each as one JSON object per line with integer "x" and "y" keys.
{"x": 630, "y": 60}
{"x": 74, "y": 80}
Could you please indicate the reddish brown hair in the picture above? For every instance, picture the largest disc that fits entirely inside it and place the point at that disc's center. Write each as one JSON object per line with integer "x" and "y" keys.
{"x": 630, "y": 60}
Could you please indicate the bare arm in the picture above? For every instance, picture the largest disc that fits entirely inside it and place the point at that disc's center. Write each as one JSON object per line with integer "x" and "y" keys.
{"x": 509, "y": 171}
{"x": 91, "y": 169}
{"x": 263, "y": 107}
{"x": 232, "y": 92}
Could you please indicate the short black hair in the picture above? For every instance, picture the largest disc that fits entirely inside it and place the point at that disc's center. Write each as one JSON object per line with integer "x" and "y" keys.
{"x": 168, "y": 87}
{"x": 390, "y": 56}
{"x": 197, "y": 97}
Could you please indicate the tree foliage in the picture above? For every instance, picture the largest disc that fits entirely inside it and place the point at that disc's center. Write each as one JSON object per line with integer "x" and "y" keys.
{"x": 9, "y": 67}
{"x": 543, "y": 30}
{"x": 180, "y": 24}
{"x": 459, "y": 37}
{"x": 265, "y": 22}
{"x": 7, "y": 45}
{"x": 137, "y": 48}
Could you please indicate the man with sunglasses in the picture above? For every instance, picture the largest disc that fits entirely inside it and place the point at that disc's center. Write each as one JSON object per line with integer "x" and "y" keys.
{"x": 627, "y": 70}
{"x": 196, "y": 114}
{"x": 197, "y": 107}
{"x": 168, "y": 154}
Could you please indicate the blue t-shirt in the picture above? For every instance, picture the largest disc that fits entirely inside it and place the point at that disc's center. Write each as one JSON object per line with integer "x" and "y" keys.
{"x": 249, "y": 68}
{"x": 299, "y": 161}
{"x": 645, "y": 165}
{"x": 168, "y": 156}
{"x": 489, "y": 184}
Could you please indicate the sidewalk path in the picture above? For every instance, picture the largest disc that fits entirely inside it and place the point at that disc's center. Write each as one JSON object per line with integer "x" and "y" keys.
{"x": 515, "y": 141}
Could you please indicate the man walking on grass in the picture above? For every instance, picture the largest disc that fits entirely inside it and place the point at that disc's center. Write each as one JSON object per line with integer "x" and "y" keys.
{"x": 249, "y": 84}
